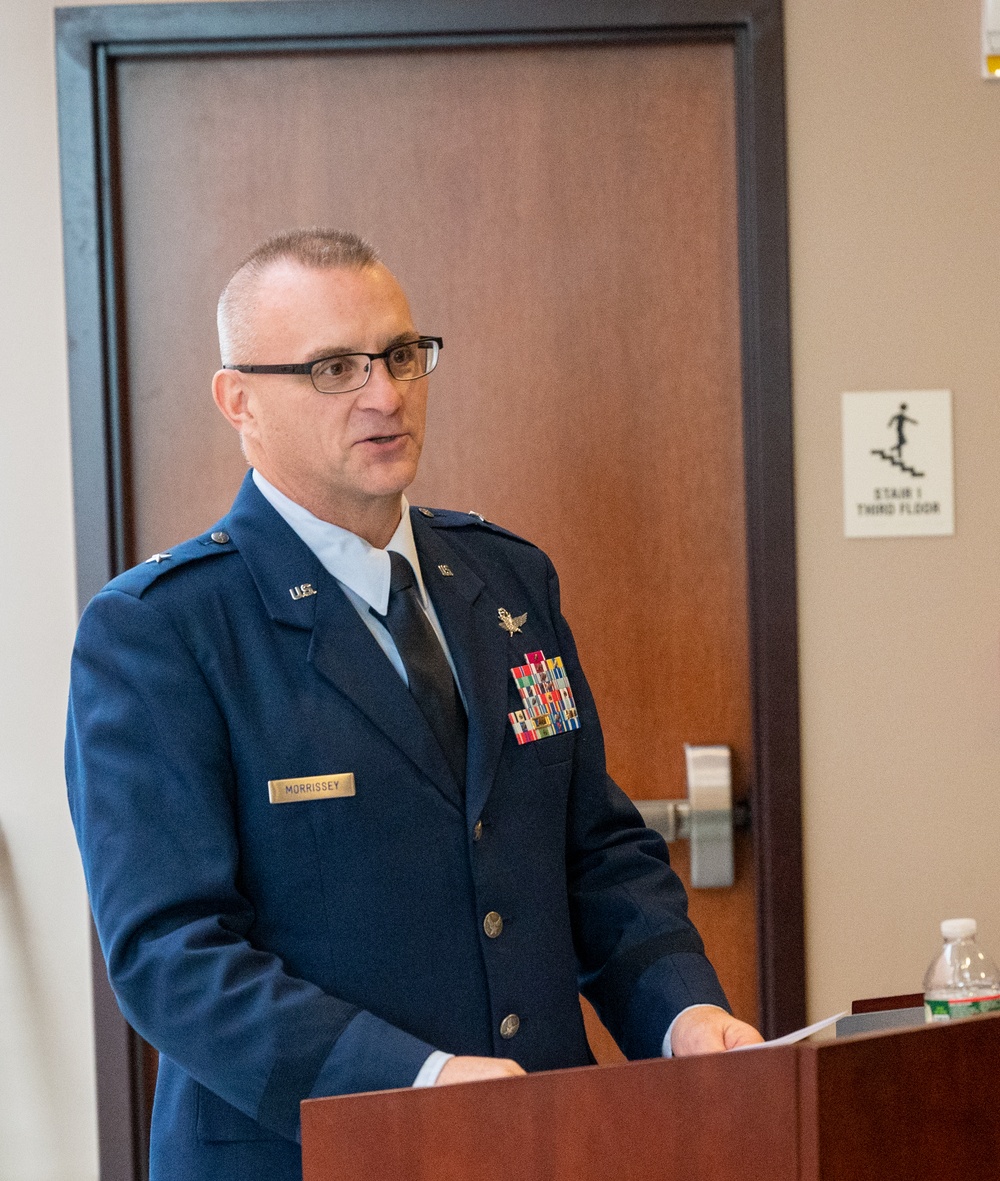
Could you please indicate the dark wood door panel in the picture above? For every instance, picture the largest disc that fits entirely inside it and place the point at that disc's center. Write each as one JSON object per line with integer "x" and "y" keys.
{"x": 566, "y": 217}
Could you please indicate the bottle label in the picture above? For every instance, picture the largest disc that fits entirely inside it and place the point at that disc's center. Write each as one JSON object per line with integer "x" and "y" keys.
{"x": 948, "y": 1010}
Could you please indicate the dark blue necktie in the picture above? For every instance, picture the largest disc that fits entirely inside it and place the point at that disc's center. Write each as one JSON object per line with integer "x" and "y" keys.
{"x": 431, "y": 682}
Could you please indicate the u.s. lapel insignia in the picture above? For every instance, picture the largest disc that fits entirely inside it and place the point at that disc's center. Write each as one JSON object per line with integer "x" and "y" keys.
{"x": 507, "y": 621}
{"x": 446, "y": 571}
{"x": 303, "y": 591}
{"x": 547, "y": 700}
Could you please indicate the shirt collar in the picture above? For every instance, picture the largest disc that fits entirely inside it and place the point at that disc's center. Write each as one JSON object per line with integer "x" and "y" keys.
{"x": 355, "y": 563}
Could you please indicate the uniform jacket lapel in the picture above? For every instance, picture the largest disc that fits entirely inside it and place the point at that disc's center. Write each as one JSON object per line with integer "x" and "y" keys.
{"x": 478, "y": 647}
{"x": 342, "y": 649}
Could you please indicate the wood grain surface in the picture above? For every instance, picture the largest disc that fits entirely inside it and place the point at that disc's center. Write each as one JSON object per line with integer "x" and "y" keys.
{"x": 911, "y": 1105}
{"x": 715, "y": 1118}
{"x": 566, "y": 219}
{"x": 903, "y": 1105}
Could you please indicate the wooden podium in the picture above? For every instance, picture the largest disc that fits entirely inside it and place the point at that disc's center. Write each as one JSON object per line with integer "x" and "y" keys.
{"x": 897, "y": 1106}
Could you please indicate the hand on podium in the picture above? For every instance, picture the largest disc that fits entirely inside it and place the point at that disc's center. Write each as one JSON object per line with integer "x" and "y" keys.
{"x": 707, "y": 1029}
{"x": 468, "y": 1069}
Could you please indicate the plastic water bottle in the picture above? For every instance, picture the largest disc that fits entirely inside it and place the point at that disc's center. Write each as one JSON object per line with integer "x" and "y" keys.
{"x": 962, "y": 981}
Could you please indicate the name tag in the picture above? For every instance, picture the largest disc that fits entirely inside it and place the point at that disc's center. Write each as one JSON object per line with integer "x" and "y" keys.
{"x": 311, "y": 787}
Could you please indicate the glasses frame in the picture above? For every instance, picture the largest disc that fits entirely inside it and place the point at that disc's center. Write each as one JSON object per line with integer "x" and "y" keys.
{"x": 309, "y": 367}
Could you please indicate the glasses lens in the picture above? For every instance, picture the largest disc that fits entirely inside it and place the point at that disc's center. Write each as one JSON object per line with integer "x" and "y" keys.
{"x": 412, "y": 360}
{"x": 338, "y": 375}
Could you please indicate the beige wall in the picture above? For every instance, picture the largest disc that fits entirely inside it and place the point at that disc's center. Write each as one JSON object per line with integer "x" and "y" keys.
{"x": 46, "y": 1100}
{"x": 894, "y": 175}
{"x": 47, "y": 1110}
{"x": 894, "y": 143}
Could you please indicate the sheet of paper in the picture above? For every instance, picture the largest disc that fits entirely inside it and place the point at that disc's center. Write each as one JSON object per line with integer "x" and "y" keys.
{"x": 799, "y": 1034}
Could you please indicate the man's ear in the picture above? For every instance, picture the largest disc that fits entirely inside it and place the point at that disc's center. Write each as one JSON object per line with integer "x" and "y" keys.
{"x": 230, "y": 395}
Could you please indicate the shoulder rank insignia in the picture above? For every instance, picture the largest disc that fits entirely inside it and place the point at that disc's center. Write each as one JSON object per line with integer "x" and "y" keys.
{"x": 507, "y": 621}
{"x": 158, "y": 558}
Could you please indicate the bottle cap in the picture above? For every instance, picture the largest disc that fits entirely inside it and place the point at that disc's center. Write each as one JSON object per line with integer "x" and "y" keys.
{"x": 958, "y": 928}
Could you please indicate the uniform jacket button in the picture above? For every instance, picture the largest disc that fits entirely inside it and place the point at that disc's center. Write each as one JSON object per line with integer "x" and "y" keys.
{"x": 220, "y": 537}
{"x": 493, "y": 924}
{"x": 510, "y": 1025}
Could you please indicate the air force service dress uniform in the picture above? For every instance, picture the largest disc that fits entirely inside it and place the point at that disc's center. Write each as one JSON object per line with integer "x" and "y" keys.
{"x": 293, "y": 894}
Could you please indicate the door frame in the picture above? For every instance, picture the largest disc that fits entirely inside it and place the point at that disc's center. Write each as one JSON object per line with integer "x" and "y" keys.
{"x": 90, "y": 40}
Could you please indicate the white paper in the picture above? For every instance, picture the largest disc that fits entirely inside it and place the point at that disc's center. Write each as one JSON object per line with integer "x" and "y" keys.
{"x": 799, "y": 1035}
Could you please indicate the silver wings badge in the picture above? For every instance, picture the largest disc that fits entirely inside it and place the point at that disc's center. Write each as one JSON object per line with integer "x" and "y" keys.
{"x": 509, "y": 623}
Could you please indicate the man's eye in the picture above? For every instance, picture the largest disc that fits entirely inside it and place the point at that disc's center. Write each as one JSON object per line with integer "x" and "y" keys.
{"x": 404, "y": 354}
{"x": 336, "y": 367}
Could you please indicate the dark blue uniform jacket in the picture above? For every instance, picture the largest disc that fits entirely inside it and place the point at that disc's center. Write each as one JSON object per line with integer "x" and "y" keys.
{"x": 275, "y": 952}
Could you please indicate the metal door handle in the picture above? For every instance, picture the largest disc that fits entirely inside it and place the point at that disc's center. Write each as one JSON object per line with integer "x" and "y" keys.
{"x": 707, "y": 817}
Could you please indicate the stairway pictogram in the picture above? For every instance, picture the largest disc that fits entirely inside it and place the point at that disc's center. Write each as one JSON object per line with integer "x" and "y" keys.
{"x": 897, "y": 463}
{"x": 900, "y": 422}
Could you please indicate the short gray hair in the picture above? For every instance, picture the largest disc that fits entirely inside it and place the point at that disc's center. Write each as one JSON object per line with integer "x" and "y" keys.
{"x": 315, "y": 247}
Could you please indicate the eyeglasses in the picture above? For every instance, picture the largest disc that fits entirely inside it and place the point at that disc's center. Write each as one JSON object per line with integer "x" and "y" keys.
{"x": 344, "y": 372}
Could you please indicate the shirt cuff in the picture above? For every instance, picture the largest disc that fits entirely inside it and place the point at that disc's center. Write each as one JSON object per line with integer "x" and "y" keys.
{"x": 427, "y": 1076}
{"x": 667, "y": 1051}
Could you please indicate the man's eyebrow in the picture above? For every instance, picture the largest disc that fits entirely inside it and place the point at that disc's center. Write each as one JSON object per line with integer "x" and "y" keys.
{"x": 408, "y": 336}
{"x": 329, "y": 351}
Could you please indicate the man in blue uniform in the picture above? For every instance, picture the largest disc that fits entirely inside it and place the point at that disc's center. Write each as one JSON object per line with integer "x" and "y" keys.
{"x": 337, "y": 776}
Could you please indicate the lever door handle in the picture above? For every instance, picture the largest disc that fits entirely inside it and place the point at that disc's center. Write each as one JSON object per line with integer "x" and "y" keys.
{"x": 707, "y": 817}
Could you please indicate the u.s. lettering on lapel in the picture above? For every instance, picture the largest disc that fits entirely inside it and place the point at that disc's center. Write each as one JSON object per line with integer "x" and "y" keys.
{"x": 548, "y": 706}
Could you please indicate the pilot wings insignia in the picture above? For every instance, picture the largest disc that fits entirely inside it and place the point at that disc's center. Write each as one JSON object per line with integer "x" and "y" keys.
{"x": 509, "y": 623}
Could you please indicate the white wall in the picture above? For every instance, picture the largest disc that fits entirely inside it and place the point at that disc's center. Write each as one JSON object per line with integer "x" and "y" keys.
{"x": 46, "y": 1093}
{"x": 894, "y": 143}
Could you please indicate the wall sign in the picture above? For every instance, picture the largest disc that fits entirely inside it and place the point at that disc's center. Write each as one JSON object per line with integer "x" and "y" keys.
{"x": 898, "y": 478}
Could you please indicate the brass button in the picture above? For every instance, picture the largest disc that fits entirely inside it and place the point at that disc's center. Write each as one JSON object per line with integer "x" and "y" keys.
{"x": 493, "y": 924}
{"x": 477, "y": 831}
{"x": 510, "y": 1025}
{"x": 220, "y": 537}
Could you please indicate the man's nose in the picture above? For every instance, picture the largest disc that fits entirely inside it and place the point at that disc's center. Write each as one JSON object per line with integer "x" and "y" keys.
{"x": 381, "y": 391}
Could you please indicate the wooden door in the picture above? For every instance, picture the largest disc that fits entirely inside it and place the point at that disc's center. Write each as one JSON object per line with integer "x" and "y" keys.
{"x": 566, "y": 219}
{"x": 591, "y": 213}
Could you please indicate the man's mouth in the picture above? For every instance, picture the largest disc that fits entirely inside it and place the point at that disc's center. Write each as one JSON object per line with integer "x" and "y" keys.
{"x": 382, "y": 439}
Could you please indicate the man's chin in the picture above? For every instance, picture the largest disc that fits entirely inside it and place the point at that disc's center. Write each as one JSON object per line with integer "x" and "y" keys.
{"x": 383, "y": 481}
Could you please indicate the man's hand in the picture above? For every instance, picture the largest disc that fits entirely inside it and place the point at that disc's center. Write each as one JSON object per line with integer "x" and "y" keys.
{"x": 471, "y": 1070}
{"x": 707, "y": 1030}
